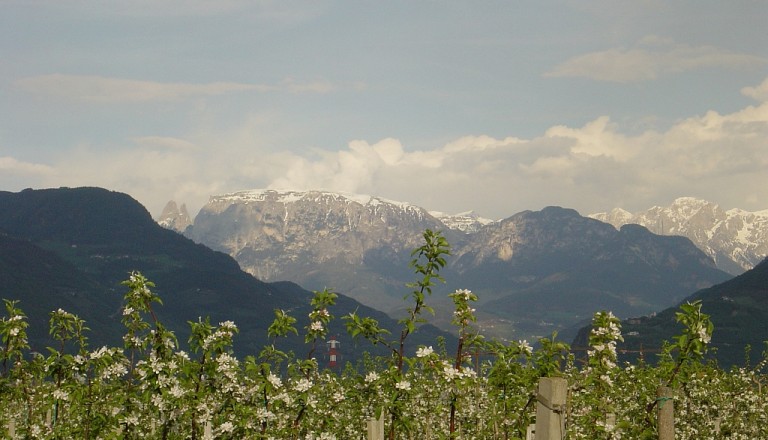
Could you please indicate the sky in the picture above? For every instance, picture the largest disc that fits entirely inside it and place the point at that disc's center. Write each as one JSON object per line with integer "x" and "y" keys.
{"x": 491, "y": 106}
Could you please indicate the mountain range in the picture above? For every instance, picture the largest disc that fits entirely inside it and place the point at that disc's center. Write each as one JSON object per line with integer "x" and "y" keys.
{"x": 736, "y": 239}
{"x": 535, "y": 272}
{"x": 71, "y": 248}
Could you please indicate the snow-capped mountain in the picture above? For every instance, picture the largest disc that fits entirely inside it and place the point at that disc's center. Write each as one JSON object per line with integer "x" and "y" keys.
{"x": 531, "y": 270}
{"x": 468, "y": 222}
{"x": 736, "y": 239}
{"x": 271, "y": 233}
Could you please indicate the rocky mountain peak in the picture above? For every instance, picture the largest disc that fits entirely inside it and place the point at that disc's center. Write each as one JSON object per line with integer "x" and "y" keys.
{"x": 306, "y": 226}
{"x": 175, "y": 217}
{"x": 736, "y": 239}
{"x": 531, "y": 232}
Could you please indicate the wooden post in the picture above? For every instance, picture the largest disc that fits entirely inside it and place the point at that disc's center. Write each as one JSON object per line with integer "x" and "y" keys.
{"x": 12, "y": 428}
{"x": 666, "y": 415}
{"x": 550, "y": 409}
{"x": 207, "y": 430}
{"x": 376, "y": 428}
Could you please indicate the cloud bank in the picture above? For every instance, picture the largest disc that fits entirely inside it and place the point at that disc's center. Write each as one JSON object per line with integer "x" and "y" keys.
{"x": 649, "y": 59}
{"x": 593, "y": 167}
{"x": 105, "y": 89}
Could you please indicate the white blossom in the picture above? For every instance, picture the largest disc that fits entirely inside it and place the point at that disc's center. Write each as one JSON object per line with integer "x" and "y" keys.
{"x": 450, "y": 372}
{"x": 227, "y": 427}
{"x": 274, "y": 380}
{"x": 372, "y": 377}
{"x": 303, "y": 385}
{"x": 424, "y": 351}
{"x": 525, "y": 346}
{"x": 403, "y": 385}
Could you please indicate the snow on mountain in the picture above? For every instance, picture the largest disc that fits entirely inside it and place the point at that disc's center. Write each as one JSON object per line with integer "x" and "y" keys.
{"x": 736, "y": 239}
{"x": 291, "y": 197}
{"x": 269, "y": 230}
{"x": 468, "y": 222}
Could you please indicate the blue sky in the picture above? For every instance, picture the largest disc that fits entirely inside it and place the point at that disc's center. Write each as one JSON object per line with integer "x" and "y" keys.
{"x": 495, "y": 106}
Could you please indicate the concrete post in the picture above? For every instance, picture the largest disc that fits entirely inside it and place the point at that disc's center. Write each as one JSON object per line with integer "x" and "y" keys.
{"x": 666, "y": 408}
{"x": 376, "y": 428}
{"x": 530, "y": 433}
{"x": 550, "y": 409}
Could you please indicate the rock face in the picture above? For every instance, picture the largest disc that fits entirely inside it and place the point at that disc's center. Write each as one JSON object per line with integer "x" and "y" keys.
{"x": 737, "y": 240}
{"x": 269, "y": 232}
{"x": 535, "y": 271}
{"x": 174, "y": 217}
{"x": 545, "y": 270}
{"x": 530, "y": 234}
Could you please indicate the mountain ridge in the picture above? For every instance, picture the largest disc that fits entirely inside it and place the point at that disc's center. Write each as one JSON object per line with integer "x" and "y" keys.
{"x": 736, "y": 239}
{"x": 319, "y": 239}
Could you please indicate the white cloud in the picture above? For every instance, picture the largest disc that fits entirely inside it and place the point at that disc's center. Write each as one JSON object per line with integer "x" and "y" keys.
{"x": 591, "y": 168}
{"x": 649, "y": 59}
{"x": 151, "y": 175}
{"x": 759, "y": 92}
{"x": 11, "y": 165}
{"x": 365, "y": 167}
{"x": 104, "y": 89}
{"x": 16, "y": 174}
{"x": 600, "y": 138}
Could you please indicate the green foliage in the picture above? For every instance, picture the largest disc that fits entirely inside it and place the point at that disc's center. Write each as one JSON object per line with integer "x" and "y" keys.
{"x": 14, "y": 335}
{"x": 366, "y": 327}
{"x": 282, "y": 325}
{"x": 150, "y": 388}
{"x": 319, "y": 317}
{"x": 697, "y": 333}
{"x": 551, "y": 356}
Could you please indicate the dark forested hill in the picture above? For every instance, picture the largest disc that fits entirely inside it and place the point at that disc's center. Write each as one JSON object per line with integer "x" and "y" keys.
{"x": 738, "y": 309}
{"x": 71, "y": 248}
